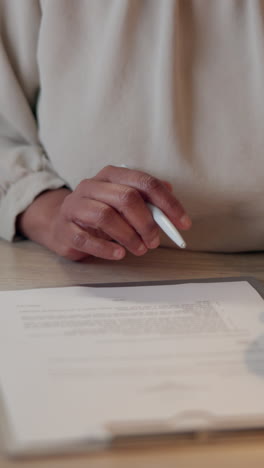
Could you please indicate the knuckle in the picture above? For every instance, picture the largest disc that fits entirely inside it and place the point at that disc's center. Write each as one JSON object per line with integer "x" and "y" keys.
{"x": 102, "y": 174}
{"x": 151, "y": 229}
{"x": 108, "y": 168}
{"x": 78, "y": 240}
{"x": 150, "y": 184}
{"x": 104, "y": 216}
{"x": 129, "y": 196}
{"x": 81, "y": 187}
{"x": 174, "y": 205}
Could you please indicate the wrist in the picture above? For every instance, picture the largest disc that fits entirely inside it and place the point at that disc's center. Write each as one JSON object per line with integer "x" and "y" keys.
{"x": 36, "y": 222}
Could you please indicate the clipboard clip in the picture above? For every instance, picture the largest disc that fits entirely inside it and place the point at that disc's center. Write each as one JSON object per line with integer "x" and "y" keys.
{"x": 194, "y": 424}
{"x": 185, "y": 421}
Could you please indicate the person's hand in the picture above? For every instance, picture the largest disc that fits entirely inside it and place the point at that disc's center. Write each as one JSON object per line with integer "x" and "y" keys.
{"x": 104, "y": 216}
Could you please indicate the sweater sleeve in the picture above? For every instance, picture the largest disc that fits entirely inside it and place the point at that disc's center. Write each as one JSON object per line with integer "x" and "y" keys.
{"x": 25, "y": 170}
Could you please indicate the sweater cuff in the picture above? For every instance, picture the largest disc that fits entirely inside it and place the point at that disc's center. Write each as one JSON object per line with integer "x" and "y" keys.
{"x": 20, "y": 195}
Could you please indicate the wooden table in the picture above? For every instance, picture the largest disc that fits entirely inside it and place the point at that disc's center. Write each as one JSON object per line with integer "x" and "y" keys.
{"x": 26, "y": 265}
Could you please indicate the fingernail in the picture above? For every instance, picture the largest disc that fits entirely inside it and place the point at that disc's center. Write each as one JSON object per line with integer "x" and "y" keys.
{"x": 154, "y": 243}
{"x": 185, "y": 221}
{"x": 118, "y": 253}
{"x": 142, "y": 248}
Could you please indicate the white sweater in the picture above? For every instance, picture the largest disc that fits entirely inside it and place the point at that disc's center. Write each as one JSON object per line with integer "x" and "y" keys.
{"x": 172, "y": 87}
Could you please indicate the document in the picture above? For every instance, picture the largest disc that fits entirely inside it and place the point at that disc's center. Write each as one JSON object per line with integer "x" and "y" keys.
{"x": 81, "y": 366}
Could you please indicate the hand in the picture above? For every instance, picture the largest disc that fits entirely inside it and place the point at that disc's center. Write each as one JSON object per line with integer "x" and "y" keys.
{"x": 104, "y": 216}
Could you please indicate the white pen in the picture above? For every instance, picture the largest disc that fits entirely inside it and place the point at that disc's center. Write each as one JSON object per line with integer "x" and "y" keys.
{"x": 165, "y": 224}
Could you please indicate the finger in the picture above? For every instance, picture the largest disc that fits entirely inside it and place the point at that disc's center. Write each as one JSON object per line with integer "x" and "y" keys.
{"x": 107, "y": 223}
{"x": 167, "y": 185}
{"x": 152, "y": 190}
{"x": 91, "y": 214}
{"x": 99, "y": 216}
{"x": 78, "y": 240}
{"x": 128, "y": 202}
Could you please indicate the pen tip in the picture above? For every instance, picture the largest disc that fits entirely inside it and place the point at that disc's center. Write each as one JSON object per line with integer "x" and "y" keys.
{"x": 183, "y": 245}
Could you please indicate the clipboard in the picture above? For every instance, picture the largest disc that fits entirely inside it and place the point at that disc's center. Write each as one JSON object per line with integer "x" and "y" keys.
{"x": 193, "y": 424}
